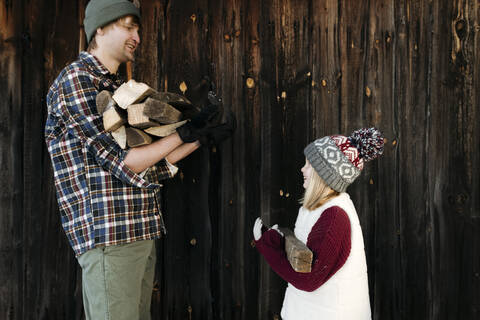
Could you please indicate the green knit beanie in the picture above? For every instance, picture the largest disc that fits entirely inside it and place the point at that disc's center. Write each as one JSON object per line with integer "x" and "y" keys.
{"x": 101, "y": 12}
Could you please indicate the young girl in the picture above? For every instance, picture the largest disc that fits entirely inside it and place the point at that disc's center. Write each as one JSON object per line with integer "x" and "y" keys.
{"x": 337, "y": 286}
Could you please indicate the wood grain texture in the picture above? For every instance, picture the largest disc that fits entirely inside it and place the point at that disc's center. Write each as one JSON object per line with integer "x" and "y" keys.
{"x": 291, "y": 71}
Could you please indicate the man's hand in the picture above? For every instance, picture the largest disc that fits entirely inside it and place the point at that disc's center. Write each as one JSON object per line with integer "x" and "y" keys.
{"x": 194, "y": 129}
{"x": 219, "y": 133}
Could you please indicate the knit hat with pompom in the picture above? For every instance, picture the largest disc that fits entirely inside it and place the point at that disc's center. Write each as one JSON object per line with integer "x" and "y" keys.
{"x": 339, "y": 160}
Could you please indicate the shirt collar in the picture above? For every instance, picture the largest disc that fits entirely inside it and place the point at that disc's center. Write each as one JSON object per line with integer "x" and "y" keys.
{"x": 96, "y": 66}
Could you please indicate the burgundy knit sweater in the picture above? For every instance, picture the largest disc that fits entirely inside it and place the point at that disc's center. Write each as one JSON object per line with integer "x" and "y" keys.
{"x": 329, "y": 241}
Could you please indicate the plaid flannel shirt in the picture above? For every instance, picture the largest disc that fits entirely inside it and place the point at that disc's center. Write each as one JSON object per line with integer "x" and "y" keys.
{"x": 101, "y": 201}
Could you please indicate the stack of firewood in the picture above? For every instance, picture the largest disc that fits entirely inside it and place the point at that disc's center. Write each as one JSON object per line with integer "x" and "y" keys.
{"x": 136, "y": 114}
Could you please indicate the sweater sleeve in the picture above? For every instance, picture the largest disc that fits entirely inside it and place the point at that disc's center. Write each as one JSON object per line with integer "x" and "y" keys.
{"x": 329, "y": 241}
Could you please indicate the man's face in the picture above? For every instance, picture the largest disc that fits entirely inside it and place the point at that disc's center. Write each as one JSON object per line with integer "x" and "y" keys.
{"x": 121, "y": 39}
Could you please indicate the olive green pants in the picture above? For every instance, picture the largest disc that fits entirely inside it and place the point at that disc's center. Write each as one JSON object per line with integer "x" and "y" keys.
{"x": 117, "y": 281}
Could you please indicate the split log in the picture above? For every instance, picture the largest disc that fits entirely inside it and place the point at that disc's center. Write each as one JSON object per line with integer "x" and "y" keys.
{"x": 163, "y": 131}
{"x": 104, "y": 101}
{"x": 131, "y": 92}
{"x": 298, "y": 254}
{"x": 113, "y": 119}
{"x": 179, "y": 102}
{"x": 120, "y": 135}
{"x": 171, "y": 98}
{"x": 141, "y": 114}
{"x": 161, "y": 112}
{"x": 136, "y": 137}
{"x": 137, "y": 118}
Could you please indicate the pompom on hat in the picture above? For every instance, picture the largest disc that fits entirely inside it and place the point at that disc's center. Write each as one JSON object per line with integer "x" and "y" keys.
{"x": 339, "y": 160}
{"x": 99, "y": 13}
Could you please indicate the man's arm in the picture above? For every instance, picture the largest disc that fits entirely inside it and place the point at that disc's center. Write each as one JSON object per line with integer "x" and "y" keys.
{"x": 182, "y": 151}
{"x": 179, "y": 145}
{"x": 140, "y": 158}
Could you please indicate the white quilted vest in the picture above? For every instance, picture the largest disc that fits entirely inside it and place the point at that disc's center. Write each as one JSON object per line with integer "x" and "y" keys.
{"x": 345, "y": 295}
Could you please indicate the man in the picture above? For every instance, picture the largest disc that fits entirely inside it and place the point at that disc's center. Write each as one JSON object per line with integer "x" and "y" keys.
{"x": 109, "y": 197}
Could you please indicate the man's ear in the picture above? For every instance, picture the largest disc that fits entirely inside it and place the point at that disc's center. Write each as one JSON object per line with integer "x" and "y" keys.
{"x": 100, "y": 31}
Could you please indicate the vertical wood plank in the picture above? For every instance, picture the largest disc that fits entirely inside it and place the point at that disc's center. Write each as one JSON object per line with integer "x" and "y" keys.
{"x": 231, "y": 241}
{"x": 55, "y": 43}
{"x": 251, "y": 85}
{"x": 185, "y": 280}
{"x": 11, "y": 135}
{"x": 453, "y": 159}
{"x": 413, "y": 54}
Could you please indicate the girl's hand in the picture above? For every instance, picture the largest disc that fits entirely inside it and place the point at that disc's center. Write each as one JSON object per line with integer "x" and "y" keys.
{"x": 275, "y": 227}
{"x": 257, "y": 229}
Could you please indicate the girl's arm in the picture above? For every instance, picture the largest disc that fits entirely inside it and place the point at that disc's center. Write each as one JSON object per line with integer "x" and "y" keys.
{"x": 329, "y": 241}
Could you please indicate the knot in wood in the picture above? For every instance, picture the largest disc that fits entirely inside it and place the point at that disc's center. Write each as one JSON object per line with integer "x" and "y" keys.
{"x": 460, "y": 28}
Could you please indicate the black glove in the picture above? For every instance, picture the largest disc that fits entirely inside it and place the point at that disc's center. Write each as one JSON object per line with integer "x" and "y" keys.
{"x": 196, "y": 128}
{"x": 219, "y": 133}
{"x": 215, "y": 100}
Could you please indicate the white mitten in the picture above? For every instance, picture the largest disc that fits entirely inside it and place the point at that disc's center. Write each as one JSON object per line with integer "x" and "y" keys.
{"x": 257, "y": 229}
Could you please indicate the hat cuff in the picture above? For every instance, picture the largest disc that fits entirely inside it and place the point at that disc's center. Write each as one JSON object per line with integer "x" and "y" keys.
{"x": 321, "y": 167}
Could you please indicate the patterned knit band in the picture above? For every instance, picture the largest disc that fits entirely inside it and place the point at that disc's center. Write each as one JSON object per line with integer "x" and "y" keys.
{"x": 339, "y": 160}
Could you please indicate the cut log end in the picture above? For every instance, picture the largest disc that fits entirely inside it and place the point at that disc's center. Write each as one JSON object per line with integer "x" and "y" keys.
{"x": 104, "y": 101}
{"x": 137, "y": 138}
{"x": 112, "y": 119}
{"x": 120, "y": 136}
{"x": 137, "y": 117}
{"x": 131, "y": 92}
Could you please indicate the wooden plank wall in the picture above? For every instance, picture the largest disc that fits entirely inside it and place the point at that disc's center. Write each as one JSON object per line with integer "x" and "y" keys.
{"x": 292, "y": 71}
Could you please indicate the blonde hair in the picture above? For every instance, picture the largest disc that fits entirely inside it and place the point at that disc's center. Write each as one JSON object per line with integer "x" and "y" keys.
{"x": 317, "y": 192}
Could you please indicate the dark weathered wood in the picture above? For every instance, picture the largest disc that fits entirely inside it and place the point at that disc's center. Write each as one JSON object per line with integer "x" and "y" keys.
{"x": 37, "y": 265}
{"x": 11, "y": 142}
{"x": 452, "y": 154}
{"x": 292, "y": 71}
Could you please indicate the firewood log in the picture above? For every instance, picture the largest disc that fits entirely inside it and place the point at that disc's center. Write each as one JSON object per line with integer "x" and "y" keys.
{"x": 298, "y": 254}
{"x": 104, "y": 101}
{"x": 137, "y": 118}
{"x": 131, "y": 92}
{"x": 113, "y": 119}
{"x": 177, "y": 101}
{"x": 136, "y": 137}
{"x": 161, "y": 112}
{"x": 163, "y": 131}
{"x": 171, "y": 98}
{"x": 120, "y": 136}
{"x": 140, "y": 115}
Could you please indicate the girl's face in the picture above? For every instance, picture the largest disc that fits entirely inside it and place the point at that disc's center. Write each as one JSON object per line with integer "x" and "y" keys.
{"x": 307, "y": 173}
